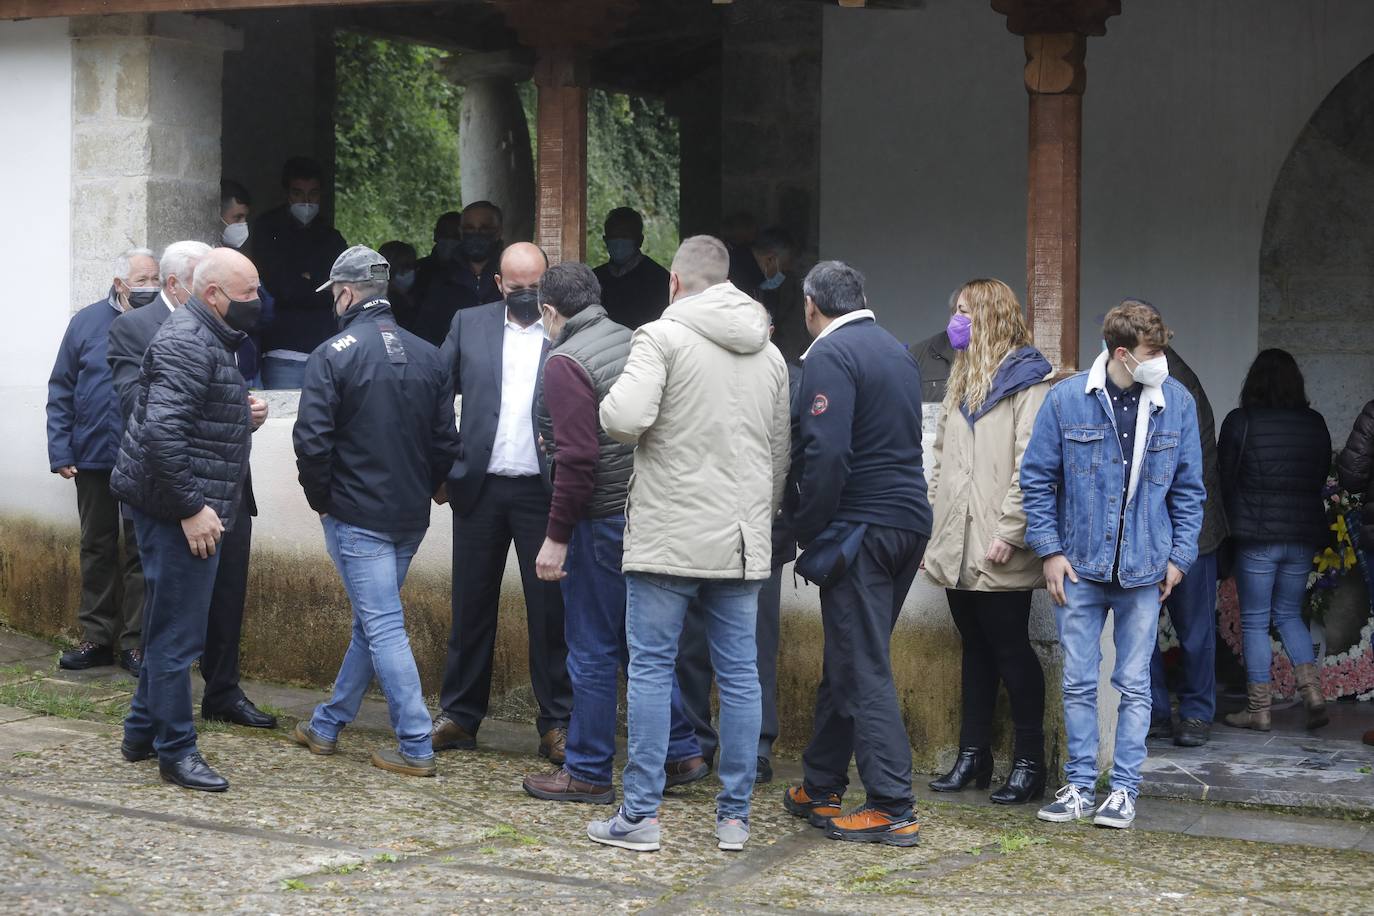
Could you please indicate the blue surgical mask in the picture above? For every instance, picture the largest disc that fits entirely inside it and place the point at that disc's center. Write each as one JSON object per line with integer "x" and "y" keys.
{"x": 774, "y": 281}
{"x": 621, "y": 251}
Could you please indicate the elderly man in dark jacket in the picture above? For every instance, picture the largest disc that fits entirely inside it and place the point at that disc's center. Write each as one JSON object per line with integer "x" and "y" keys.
{"x": 83, "y": 441}
{"x": 181, "y": 470}
{"x": 375, "y": 437}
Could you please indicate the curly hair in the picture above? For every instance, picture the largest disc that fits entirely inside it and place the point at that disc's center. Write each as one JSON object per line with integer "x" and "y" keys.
{"x": 998, "y": 328}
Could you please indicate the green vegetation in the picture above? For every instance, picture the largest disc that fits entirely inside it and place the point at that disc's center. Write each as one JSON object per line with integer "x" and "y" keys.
{"x": 294, "y": 884}
{"x": 385, "y": 857}
{"x": 36, "y": 696}
{"x": 1008, "y": 843}
{"x": 396, "y": 162}
{"x": 508, "y": 832}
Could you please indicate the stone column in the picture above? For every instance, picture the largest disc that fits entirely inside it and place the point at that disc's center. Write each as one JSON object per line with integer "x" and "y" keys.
{"x": 145, "y": 136}
{"x": 494, "y": 138}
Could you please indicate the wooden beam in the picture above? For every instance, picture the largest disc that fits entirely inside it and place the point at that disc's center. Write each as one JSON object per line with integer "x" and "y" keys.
{"x": 40, "y": 9}
{"x": 562, "y": 146}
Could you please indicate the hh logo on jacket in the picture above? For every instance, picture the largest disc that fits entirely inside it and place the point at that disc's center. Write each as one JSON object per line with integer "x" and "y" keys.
{"x": 343, "y": 343}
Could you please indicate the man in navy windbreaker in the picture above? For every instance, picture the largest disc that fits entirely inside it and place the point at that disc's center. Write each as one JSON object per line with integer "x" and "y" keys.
{"x": 84, "y": 426}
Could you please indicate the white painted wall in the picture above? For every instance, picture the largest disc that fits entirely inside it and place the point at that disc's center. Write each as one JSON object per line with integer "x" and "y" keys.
{"x": 1191, "y": 108}
{"x": 35, "y": 228}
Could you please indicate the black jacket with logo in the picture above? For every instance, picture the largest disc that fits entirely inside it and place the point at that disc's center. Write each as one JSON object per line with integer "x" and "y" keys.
{"x": 375, "y": 433}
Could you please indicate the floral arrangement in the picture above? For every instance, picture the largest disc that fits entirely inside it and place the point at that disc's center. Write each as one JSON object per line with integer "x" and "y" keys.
{"x": 1339, "y": 556}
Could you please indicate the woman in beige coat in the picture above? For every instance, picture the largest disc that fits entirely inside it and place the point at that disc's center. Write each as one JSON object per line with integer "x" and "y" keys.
{"x": 977, "y": 549}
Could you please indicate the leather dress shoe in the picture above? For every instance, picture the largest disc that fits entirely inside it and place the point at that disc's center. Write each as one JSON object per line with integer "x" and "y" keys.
{"x": 1161, "y": 729}
{"x": 553, "y": 744}
{"x": 136, "y": 752}
{"x": 560, "y": 785}
{"x": 974, "y": 764}
{"x": 192, "y": 772}
{"x": 131, "y": 660}
{"x": 763, "y": 773}
{"x": 447, "y": 735}
{"x": 1192, "y": 733}
{"x": 241, "y": 713}
{"x": 681, "y": 772}
{"x": 86, "y": 655}
{"x": 1025, "y": 782}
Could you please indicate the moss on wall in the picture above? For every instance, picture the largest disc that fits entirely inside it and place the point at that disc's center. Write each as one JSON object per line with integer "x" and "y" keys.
{"x": 297, "y": 624}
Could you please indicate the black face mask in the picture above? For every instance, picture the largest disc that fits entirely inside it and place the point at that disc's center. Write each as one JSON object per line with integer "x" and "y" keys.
{"x": 523, "y": 305}
{"x": 141, "y": 297}
{"x": 242, "y": 315}
{"x": 477, "y": 248}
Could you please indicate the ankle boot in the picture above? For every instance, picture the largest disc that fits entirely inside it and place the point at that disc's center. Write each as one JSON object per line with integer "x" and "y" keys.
{"x": 1025, "y": 782}
{"x": 974, "y": 763}
{"x": 1309, "y": 688}
{"x": 1256, "y": 712}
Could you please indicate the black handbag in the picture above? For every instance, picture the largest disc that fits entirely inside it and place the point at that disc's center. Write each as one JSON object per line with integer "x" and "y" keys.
{"x": 830, "y": 554}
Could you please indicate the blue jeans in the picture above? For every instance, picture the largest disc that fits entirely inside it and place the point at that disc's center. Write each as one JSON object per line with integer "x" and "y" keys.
{"x": 280, "y": 373}
{"x": 1271, "y": 583}
{"x": 1135, "y": 620}
{"x": 176, "y": 606}
{"x": 1193, "y": 612}
{"x": 373, "y": 566}
{"x": 654, "y": 610}
{"x": 594, "y": 625}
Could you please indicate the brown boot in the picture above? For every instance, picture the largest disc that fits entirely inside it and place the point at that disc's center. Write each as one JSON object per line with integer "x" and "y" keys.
{"x": 1256, "y": 712}
{"x": 553, "y": 744}
{"x": 1310, "y": 689}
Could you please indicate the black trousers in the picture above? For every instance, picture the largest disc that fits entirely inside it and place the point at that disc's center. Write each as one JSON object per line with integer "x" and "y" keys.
{"x": 994, "y": 627}
{"x": 694, "y": 672}
{"x": 508, "y": 509}
{"x": 111, "y": 609}
{"x": 857, "y": 714}
{"x": 219, "y": 664}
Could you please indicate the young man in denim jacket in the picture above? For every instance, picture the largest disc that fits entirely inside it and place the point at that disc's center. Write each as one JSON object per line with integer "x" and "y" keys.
{"x": 1113, "y": 493}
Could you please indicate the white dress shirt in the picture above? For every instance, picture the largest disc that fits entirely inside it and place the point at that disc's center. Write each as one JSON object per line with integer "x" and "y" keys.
{"x": 513, "y": 453}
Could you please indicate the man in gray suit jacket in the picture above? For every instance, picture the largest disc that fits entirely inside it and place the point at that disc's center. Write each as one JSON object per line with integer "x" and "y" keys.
{"x": 499, "y": 493}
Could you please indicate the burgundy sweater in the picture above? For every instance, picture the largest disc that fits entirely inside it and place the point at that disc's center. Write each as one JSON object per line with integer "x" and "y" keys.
{"x": 571, "y": 400}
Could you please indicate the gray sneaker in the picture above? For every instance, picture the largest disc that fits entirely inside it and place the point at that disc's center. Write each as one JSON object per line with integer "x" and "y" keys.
{"x": 732, "y": 833}
{"x": 1070, "y": 804}
{"x": 1117, "y": 811}
{"x": 617, "y": 830}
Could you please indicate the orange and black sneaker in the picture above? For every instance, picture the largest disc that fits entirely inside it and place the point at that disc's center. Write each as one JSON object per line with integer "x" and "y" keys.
{"x": 869, "y": 825}
{"x": 817, "y": 811}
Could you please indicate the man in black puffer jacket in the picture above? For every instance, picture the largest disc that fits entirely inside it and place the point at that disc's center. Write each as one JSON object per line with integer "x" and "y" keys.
{"x": 181, "y": 469}
{"x": 1356, "y": 468}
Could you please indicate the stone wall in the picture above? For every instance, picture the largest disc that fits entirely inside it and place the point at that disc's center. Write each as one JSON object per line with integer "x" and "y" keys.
{"x": 146, "y": 137}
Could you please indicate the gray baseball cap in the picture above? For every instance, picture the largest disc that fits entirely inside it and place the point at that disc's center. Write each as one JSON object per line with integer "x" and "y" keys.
{"x": 358, "y": 264}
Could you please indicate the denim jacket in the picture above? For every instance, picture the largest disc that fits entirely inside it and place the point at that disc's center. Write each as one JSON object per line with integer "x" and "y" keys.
{"x": 1072, "y": 481}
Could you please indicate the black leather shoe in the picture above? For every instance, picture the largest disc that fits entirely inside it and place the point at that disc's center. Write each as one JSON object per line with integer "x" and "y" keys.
{"x": 1026, "y": 781}
{"x": 973, "y": 764}
{"x": 86, "y": 655}
{"x": 1193, "y": 733}
{"x": 1161, "y": 729}
{"x": 131, "y": 660}
{"x": 192, "y": 772}
{"x": 764, "y": 772}
{"x": 136, "y": 752}
{"x": 241, "y": 713}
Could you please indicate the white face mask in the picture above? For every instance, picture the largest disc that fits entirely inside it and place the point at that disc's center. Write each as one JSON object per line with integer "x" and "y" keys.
{"x": 235, "y": 234}
{"x": 305, "y": 213}
{"x": 1152, "y": 372}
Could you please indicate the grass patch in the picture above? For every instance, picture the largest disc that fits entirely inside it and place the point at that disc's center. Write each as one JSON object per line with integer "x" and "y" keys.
{"x": 294, "y": 884}
{"x": 487, "y": 851}
{"x": 1008, "y": 843}
{"x": 385, "y": 857}
{"x": 33, "y": 695}
{"x": 871, "y": 874}
{"x": 508, "y": 832}
{"x": 346, "y": 869}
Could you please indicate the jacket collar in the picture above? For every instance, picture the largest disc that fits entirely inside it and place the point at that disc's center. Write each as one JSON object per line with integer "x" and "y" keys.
{"x": 373, "y": 308}
{"x": 847, "y": 318}
{"x": 1097, "y": 381}
{"x": 211, "y": 320}
{"x": 583, "y": 319}
{"x": 1151, "y": 401}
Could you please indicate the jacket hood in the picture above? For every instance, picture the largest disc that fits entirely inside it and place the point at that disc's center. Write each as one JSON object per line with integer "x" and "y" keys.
{"x": 1021, "y": 369}
{"x": 725, "y": 316}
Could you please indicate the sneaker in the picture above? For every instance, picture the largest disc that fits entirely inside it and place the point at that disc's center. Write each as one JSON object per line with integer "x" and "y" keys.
{"x": 732, "y": 833}
{"x": 869, "y": 825}
{"x": 618, "y": 830}
{"x": 1117, "y": 811}
{"x": 1070, "y": 804}
{"x": 396, "y": 762}
{"x": 817, "y": 811}
{"x": 307, "y": 737}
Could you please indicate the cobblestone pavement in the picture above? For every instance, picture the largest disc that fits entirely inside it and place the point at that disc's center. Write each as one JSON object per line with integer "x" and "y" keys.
{"x": 82, "y": 831}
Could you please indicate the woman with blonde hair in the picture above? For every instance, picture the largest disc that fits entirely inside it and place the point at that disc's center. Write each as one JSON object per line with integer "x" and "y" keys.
{"x": 977, "y": 549}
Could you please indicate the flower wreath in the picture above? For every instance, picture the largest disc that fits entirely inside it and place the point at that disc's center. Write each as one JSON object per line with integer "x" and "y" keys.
{"x": 1344, "y": 674}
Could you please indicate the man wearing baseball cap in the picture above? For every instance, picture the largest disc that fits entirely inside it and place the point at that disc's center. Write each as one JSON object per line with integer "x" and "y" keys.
{"x": 375, "y": 436}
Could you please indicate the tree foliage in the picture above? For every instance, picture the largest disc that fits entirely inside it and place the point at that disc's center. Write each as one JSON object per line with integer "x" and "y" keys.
{"x": 632, "y": 161}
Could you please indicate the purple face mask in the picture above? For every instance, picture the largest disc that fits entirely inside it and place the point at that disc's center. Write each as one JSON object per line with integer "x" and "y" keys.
{"x": 959, "y": 330}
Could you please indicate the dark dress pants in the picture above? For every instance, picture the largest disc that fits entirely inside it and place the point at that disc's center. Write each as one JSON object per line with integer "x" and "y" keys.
{"x": 508, "y": 508}
{"x": 694, "y": 672}
{"x": 1193, "y": 611}
{"x": 178, "y": 602}
{"x": 857, "y": 713}
{"x": 111, "y": 607}
{"x": 994, "y": 628}
{"x": 224, "y": 628}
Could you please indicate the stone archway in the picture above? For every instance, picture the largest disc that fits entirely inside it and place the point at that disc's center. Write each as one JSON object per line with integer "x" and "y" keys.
{"x": 1317, "y": 253}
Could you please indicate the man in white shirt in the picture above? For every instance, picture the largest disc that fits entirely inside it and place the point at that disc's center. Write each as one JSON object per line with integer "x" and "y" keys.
{"x": 499, "y": 493}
